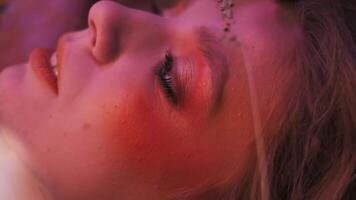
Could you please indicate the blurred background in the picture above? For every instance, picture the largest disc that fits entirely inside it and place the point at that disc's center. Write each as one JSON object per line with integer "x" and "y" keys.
{"x": 28, "y": 24}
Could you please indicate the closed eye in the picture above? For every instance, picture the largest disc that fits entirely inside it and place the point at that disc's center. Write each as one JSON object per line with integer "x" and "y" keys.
{"x": 166, "y": 79}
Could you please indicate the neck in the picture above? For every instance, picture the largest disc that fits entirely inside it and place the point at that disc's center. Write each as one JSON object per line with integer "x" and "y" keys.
{"x": 16, "y": 180}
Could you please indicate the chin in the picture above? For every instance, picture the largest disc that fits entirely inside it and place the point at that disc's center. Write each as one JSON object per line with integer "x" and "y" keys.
{"x": 10, "y": 79}
{"x": 3, "y": 68}
{"x": 11, "y": 75}
{"x": 11, "y": 71}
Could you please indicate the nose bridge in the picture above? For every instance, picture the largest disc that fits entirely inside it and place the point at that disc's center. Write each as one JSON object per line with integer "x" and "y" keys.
{"x": 113, "y": 26}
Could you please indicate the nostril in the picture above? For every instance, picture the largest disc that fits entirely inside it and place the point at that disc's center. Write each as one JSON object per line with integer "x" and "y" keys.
{"x": 92, "y": 28}
{"x": 104, "y": 24}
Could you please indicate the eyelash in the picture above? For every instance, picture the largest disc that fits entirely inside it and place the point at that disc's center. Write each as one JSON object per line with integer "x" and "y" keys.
{"x": 164, "y": 74}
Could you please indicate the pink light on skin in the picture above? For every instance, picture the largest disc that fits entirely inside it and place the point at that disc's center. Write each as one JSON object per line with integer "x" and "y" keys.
{"x": 111, "y": 125}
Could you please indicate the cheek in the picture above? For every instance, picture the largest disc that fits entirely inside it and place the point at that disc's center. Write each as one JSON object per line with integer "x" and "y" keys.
{"x": 144, "y": 140}
{"x": 155, "y": 145}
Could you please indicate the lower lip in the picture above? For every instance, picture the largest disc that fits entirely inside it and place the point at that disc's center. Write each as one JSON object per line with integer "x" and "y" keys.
{"x": 40, "y": 63}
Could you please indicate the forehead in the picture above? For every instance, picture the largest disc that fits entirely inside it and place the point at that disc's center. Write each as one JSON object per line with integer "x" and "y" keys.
{"x": 262, "y": 25}
{"x": 256, "y": 24}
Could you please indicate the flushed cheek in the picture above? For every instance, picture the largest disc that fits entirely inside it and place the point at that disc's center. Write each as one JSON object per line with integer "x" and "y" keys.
{"x": 148, "y": 140}
{"x": 156, "y": 146}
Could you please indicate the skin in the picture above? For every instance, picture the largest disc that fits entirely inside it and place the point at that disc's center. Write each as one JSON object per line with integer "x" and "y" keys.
{"x": 111, "y": 132}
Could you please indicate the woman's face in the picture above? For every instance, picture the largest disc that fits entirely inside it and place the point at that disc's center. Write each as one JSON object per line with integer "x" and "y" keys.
{"x": 146, "y": 104}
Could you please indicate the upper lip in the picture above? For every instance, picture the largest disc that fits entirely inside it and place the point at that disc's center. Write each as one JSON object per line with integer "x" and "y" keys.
{"x": 62, "y": 43}
{"x": 41, "y": 66}
{"x": 59, "y": 55}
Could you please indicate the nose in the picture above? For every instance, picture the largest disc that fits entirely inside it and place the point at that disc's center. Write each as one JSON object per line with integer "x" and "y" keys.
{"x": 113, "y": 27}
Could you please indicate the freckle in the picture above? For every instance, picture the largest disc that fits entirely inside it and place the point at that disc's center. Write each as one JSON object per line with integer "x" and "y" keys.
{"x": 48, "y": 150}
{"x": 86, "y": 126}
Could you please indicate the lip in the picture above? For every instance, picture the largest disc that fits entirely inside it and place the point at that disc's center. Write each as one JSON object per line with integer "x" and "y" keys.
{"x": 40, "y": 64}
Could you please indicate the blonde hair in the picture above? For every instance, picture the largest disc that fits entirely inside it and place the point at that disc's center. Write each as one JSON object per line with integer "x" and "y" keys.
{"x": 313, "y": 156}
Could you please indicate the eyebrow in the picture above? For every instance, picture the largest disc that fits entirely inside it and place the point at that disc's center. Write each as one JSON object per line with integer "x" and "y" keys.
{"x": 210, "y": 47}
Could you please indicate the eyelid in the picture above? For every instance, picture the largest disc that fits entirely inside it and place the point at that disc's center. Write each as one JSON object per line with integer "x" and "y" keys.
{"x": 211, "y": 50}
{"x": 183, "y": 73}
{"x": 191, "y": 82}
{"x": 182, "y": 76}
